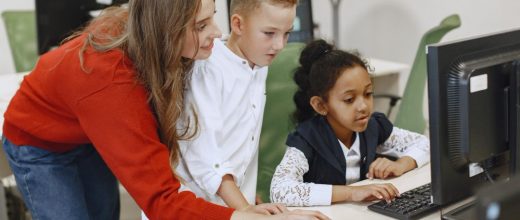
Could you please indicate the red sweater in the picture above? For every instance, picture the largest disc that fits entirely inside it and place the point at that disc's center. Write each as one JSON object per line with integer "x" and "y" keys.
{"x": 59, "y": 107}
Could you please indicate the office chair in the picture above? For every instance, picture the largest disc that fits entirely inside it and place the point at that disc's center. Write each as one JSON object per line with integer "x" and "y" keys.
{"x": 277, "y": 124}
{"x": 410, "y": 114}
{"x": 21, "y": 34}
{"x": 3, "y": 203}
{"x": 12, "y": 201}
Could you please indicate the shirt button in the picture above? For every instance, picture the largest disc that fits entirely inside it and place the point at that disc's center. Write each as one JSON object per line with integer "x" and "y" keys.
{"x": 217, "y": 166}
{"x": 254, "y": 106}
{"x": 253, "y": 138}
{"x": 244, "y": 62}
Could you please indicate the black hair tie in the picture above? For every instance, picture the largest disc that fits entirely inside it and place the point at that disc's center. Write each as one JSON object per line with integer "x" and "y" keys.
{"x": 325, "y": 52}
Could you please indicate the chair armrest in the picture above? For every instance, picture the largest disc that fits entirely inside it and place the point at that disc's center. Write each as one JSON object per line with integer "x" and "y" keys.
{"x": 393, "y": 98}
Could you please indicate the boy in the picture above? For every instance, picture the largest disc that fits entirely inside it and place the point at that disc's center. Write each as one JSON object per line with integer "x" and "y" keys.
{"x": 227, "y": 93}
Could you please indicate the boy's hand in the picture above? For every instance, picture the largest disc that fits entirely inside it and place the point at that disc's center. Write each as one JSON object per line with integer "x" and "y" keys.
{"x": 372, "y": 192}
{"x": 258, "y": 199}
{"x": 266, "y": 209}
{"x": 383, "y": 168}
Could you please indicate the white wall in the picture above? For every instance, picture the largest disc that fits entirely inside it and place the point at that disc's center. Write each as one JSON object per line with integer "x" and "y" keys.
{"x": 6, "y": 60}
{"x": 387, "y": 29}
{"x": 391, "y": 29}
{"x": 221, "y": 17}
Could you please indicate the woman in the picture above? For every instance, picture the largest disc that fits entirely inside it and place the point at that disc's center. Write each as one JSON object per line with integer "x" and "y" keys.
{"x": 104, "y": 106}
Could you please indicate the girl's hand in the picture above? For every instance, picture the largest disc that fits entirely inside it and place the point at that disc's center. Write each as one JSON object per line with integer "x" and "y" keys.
{"x": 383, "y": 168}
{"x": 266, "y": 209}
{"x": 372, "y": 192}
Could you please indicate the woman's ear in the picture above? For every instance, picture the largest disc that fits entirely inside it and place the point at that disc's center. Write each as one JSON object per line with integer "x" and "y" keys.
{"x": 318, "y": 104}
{"x": 236, "y": 23}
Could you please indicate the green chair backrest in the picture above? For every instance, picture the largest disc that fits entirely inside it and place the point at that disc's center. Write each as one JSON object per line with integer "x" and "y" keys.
{"x": 277, "y": 124}
{"x": 410, "y": 115}
{"x": 21, "y": 33}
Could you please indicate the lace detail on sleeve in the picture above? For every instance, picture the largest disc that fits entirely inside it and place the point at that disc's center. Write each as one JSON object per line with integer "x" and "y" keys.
{"x": 402, "y": 142}
{"x": 287, "y": 186}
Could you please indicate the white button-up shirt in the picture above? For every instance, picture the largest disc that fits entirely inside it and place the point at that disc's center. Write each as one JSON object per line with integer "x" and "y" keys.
{"x": 228, "y": 97}
{"x": 353, "y": 159}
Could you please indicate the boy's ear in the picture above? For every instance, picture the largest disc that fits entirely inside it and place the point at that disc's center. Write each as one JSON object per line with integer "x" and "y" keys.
{"x": 236, "y": 22}
{"x": 318, "y": 104}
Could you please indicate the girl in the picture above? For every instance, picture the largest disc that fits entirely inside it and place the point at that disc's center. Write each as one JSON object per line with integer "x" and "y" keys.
{"x": 338, "y": 136}
{"x": 103, "y": 106}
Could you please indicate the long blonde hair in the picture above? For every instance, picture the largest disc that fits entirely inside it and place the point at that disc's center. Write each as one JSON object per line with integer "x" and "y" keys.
{"x": 152, "y": 33}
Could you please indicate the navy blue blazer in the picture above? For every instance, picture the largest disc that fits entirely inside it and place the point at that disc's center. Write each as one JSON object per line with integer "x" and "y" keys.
{"x": 327, "y": 165}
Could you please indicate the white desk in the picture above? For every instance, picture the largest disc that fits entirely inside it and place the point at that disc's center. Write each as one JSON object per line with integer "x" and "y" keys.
{"x": 360, "y": 210}
{"x": 385, "y": 67}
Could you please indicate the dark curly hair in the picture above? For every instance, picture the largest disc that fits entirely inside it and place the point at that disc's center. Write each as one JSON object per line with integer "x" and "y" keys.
{"x": 320, "y": 66}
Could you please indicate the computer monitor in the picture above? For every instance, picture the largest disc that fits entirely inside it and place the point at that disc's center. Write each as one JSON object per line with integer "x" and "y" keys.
{"x": 57, "y": 19}
{"x": 303, "y": 23}
{"x": 473, "y": 113}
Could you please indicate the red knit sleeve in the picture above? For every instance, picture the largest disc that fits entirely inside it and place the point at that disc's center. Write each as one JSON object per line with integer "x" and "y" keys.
{"x": 121, "y": 126}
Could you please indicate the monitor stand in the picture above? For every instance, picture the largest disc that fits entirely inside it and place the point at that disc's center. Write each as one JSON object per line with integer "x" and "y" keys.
{"x": 466, "y": 211}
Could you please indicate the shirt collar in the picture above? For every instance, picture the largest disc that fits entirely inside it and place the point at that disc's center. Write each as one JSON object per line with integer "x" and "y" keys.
{"x": 232, "y": 56}
{"x": 354, "y": 148}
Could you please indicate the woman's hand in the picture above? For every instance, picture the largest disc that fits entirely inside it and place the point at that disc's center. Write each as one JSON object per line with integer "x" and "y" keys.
{"x": 372, "y": 192}
{"x": 383, "y": 168}
{"x": 266, "y": 209}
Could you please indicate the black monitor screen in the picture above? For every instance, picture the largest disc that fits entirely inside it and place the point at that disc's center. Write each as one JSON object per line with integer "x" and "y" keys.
{"x": 473, "y": 107}
{"x": 57, "y": 19}
{"x": 303, "y": 24}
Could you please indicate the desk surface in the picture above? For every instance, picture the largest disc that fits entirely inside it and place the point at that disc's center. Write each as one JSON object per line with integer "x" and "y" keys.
{"x": 408, "y": 181}
{"x": 359, "y": 210}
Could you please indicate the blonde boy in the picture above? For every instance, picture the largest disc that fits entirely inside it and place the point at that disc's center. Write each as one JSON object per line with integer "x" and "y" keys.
{"x": 227, "y": 92}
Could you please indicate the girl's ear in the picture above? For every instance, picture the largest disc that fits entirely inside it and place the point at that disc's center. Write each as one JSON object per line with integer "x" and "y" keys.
{"x": 236, "y": 22}
{"x": 318, "y": 104}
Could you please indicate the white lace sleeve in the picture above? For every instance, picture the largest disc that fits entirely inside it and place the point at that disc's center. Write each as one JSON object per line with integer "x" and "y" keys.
{"x": 406, "y": 143}
{"x": 287, "y": 186}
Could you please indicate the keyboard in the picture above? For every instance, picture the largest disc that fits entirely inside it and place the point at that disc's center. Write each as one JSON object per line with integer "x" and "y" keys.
{"x": 412, "y": 204}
